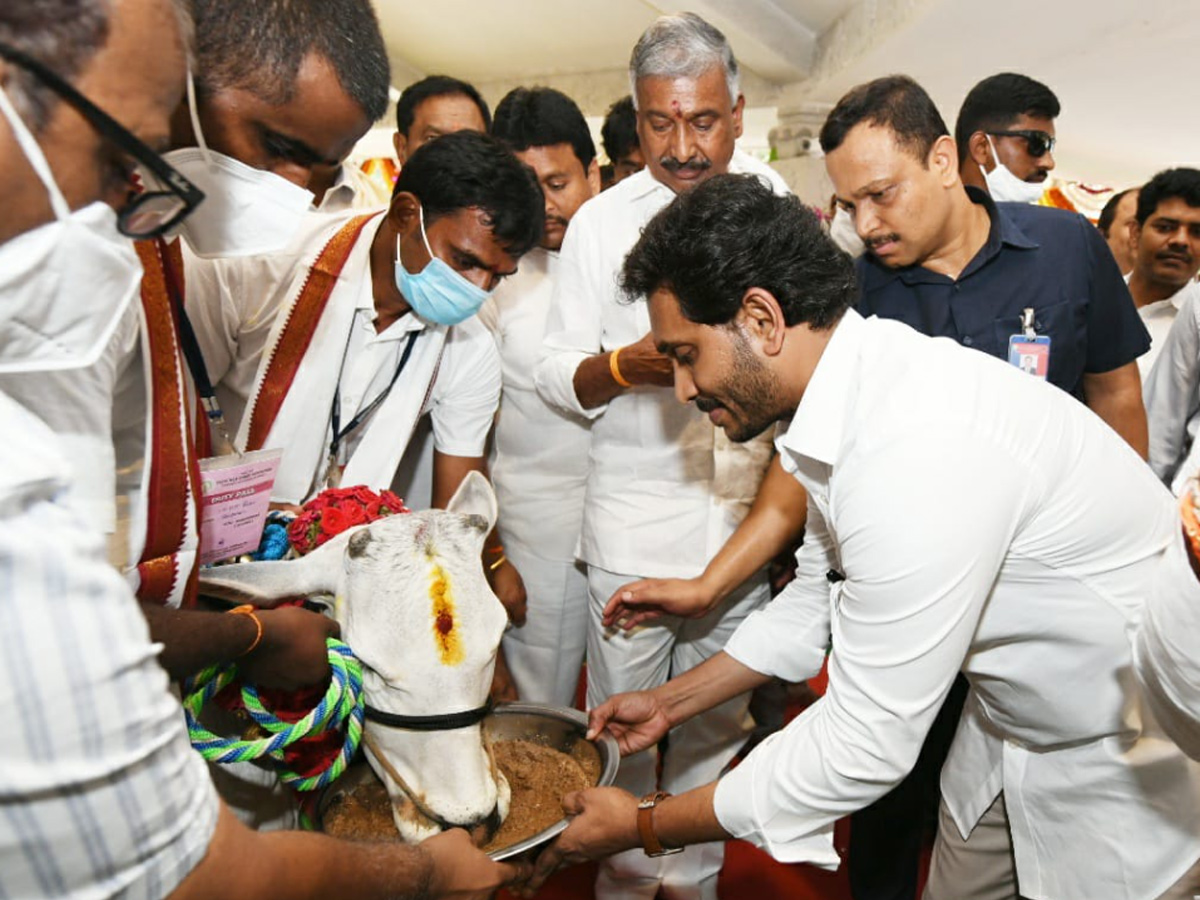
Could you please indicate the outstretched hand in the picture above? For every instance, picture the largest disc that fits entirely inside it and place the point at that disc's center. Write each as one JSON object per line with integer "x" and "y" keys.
{"x": 292, "y": 653}
{"x": 636, "y": 720}
{"x": 650, "y": 599}
{"x": 461, "y": 871}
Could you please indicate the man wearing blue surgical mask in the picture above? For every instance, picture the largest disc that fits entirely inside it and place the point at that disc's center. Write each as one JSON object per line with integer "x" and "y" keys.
{"x": 1005, "y": 137}
{"x": 394, "y": 338}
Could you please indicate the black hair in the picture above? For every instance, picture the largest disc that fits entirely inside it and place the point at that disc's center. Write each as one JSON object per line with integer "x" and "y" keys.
{"x": 436, "y": 86}
{"x": 63, "y": 35}
{"x": 996, "y": 102}
{"x": 259, "y": 45}
{"x": 895, "y": 102}
{"x": 732, "y": 233}
{"x": 1166, "y": 185}
{"x": 1109, "y": 214}
{"x": 469, "y": 170}
{"x": 542, "y": 117}
{"x": 619, "y": 132}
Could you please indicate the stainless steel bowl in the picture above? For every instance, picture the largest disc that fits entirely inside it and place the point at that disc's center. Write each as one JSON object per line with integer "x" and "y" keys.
{"x": 561, "y": 729}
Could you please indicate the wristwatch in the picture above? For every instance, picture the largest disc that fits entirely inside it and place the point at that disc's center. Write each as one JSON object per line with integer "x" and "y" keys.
{"x": 645, "y": 823}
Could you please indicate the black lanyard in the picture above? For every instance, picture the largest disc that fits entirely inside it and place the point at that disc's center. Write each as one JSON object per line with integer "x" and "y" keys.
{"x": 190, "y": 346}
{"x": 335, "y": 414}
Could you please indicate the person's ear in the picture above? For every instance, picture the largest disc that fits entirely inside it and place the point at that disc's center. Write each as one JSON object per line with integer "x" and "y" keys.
{"x": 738, "y": 108}
{"x": 593, "y": 176}
{"x": 400, "y": 144}
{"x": 1134, "y": 233}
{"x": 943, "y": 159}
{"x": 980, "y": 151}
{"x": 761, "y": 318}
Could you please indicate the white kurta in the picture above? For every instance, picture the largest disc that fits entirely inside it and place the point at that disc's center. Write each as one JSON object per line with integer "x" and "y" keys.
{"x": 960, "y": 501}
{"x": 239, "y": 309}
{"x": 539, "y": 466}
{"x": 1172, "y": 393}
{"x": 1158, "y": 318}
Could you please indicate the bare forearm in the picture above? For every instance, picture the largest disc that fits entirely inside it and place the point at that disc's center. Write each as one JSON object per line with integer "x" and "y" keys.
{"x": 194, "y": 639}
{"x": 241, "y": 863}
{"x": 689, "y": 818}
{"x": 774, "y": 523}
{"x": 1116, "y": 397}
{"x": 594, "y": 382}
{"x": 717, "y": 679}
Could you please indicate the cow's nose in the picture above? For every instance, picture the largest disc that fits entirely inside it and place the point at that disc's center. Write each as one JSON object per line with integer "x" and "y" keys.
{"x": 482, "y": 832}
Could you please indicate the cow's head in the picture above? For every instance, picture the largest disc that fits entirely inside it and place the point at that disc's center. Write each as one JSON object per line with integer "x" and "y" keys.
{"x": 413, "y": 603}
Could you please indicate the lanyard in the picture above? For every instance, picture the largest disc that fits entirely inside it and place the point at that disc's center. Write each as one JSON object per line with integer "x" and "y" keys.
{"x": 335, "y": 414}
{"x": 191, "y": 353}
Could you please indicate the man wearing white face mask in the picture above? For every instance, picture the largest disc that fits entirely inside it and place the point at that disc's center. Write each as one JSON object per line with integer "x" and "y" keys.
{"x": 334, "y": 349}
{"x": 1005, "y": 137}
{"x": 103, "y": 794}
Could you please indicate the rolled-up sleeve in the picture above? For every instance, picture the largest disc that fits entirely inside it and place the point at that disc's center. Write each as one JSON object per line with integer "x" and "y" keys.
{"x": 901, "y": 625}
{"x": 574, "y": 327}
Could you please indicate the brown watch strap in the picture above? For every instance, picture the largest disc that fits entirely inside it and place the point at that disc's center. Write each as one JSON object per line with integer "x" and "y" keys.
{"x": 645, "y": 822}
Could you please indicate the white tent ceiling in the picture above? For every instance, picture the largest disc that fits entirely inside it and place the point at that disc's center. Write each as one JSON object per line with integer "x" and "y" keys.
{"x": 1122, "y": 70}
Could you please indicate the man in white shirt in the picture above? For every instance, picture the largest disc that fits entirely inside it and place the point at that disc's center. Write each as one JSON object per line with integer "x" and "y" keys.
{"x": 666, "y": 488}
{"x": 103, "y": 794}
{"x": 333, "y": 350}
{"x": 539, "y": 459}
{"x": 956, "y": 499}
{"x": 1163, "y": 284}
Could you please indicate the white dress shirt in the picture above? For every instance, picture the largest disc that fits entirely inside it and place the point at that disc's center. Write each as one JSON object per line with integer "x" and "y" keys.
{"x": 660, "y": 472}
{"x": 539, "y": 459}
{"x": 1172, "y": 392}
{"x": 983, "y": 522}
{"x": 103, "y": 794}
{"x": 1158, "y": 318}
{"x": 239, "y": 309}
{"x": 352, "y": 189}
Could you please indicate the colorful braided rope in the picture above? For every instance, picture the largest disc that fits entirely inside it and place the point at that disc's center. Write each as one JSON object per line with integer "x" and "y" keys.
{"x": 340, "y": 708}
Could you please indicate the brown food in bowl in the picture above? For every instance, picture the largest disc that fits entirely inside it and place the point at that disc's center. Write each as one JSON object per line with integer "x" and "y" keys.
{"x": 539, "y": 777}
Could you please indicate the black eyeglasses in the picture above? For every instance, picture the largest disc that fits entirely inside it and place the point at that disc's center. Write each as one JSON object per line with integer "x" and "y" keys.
{"x": 151, "y": 212}
{"x": 1039, "y": 142}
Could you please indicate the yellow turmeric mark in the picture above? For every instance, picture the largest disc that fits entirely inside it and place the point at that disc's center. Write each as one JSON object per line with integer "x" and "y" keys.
{"x": 445, "y": 626}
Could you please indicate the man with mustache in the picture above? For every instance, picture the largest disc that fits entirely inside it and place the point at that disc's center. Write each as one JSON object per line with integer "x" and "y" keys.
{"x": 665, "y": 487}
{"x": 1163, "y": 284}
{"x": 1005, "y": 137}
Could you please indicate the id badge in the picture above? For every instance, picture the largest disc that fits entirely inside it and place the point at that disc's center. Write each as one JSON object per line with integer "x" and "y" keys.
{"x": 1030, "y": 354}
{"x": 235, "y": 498}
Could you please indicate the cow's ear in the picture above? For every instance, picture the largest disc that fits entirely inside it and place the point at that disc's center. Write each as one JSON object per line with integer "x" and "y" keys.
{"x": 267, "y": 583}
{"x": 475, "y": 497}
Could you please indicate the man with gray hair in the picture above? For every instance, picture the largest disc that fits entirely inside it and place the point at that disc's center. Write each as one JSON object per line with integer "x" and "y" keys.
{"x": 666, "y": 487}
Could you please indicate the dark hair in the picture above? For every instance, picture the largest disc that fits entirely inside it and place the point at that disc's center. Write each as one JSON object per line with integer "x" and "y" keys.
{"x": 732, "y": 233}
{"x": 619, "y": 132}
{"x": 542, "y": 117}
{"x": 1167, "y": 184}
{"x": 61, "y": 34}
{"x": 466, "y": 170}
{"x": 259, "y": 45}
{"x": 895, "y": 102}
{"x": 996, "y": 102}
{"x": 1109, "y": 213}
{"x": 436, "y": 86}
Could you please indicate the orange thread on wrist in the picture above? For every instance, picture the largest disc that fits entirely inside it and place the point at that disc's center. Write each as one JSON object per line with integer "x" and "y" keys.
{"x": 251, "y": 613}
{"x": 614, "y": 368}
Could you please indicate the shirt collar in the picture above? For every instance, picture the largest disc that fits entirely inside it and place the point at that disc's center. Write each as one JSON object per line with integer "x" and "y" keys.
{"x": 364, "y": 301}
{"x": 817, "y": 428}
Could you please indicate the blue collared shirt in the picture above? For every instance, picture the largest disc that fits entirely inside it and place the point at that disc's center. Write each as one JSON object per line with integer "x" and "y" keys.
{"x": 1050, "y": 260}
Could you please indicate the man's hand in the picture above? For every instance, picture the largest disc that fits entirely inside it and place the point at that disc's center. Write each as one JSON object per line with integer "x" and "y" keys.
{"x": 461, "y": 871}
{"x": 637, "y": 720}
{"x": 504, "y": 689}
{"x": 603, "y": 822}
{"x": 652, "y": 598}
{"x": 641, "y": 363}
{"x": 292, "y": 653}
{"x": 510, "y": 588}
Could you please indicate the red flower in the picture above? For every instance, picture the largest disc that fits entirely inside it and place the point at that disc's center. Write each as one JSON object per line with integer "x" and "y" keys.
{"x": 354, "y": 513}
{"x": 393, "y": 503}
{"x": 374, "y": 511}
{"x": 333, "y": 522}
{"x": 365, "y": 495}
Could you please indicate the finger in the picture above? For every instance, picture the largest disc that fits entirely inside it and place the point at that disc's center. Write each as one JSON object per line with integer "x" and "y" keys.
{"x": 547, "y": 864}
{"x": 572, "y": 803}
{"x": 513, "y": 872}
{"x": 598, "y": 718}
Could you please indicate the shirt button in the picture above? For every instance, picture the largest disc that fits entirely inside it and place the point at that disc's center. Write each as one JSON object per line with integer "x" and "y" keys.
{"x": 968, "y": 341}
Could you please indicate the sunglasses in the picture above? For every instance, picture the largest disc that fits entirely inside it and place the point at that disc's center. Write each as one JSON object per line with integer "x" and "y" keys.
{"x": 151, "y": 212}
{"x": 1039, "y": 142}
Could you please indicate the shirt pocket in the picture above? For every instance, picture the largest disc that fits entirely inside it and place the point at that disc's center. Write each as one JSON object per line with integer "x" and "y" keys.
{"x": 1065, "y": 323}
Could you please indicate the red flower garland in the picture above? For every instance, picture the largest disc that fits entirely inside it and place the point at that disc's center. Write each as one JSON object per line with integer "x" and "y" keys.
{"x": 333, "y": 511}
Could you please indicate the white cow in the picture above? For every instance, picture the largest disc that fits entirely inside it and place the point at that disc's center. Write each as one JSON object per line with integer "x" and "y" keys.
{"x": 413, "y": 604}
